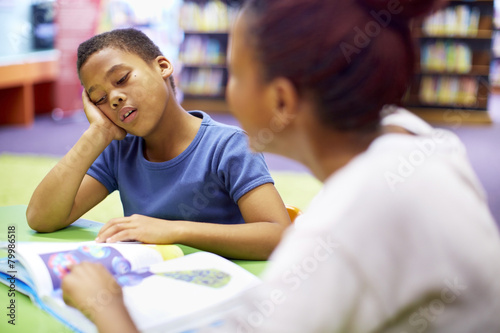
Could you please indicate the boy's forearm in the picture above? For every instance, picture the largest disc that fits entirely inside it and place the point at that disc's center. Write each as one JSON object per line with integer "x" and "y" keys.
{"x": 52, "y": 201}
{"x": 249, "y": 241}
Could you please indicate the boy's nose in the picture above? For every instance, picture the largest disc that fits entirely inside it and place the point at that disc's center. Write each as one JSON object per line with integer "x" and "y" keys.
{"x": 116, "y": 103}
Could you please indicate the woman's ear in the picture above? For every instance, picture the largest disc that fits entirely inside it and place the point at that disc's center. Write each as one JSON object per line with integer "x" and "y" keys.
{"x": 286, "y": 101}
{"x": 165, "y": 66}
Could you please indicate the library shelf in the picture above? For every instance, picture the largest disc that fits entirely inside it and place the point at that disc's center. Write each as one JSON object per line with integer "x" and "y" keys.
{"x": 435, "y": 93}
{"x": 204, "y": 72}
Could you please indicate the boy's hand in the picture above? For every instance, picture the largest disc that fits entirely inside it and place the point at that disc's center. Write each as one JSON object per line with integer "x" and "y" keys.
{"x": 98, "y": 119}
{"x": 138, "y": 228}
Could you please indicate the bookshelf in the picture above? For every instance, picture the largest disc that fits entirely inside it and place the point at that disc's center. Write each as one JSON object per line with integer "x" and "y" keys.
{"x": 495, "y": 64}
{"x": 203, "y": 78}
{"x": 453, "y": 62}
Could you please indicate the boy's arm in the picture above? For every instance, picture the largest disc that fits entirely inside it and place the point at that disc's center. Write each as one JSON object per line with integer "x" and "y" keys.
{"x": 67, "y": 192}
{"x": 262, "y": 208}
{"x": 54, "y": 203}
{"x": 266, "y": 219}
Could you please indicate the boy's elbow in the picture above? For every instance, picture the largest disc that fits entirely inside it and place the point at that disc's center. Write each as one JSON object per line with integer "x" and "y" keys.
{"x": 273, "y": 242}
{"x": 33, "y": 222}
{"x": 36, "y": 223}
{"x": 40, "y": 227}
{"x": 30, "y": 218}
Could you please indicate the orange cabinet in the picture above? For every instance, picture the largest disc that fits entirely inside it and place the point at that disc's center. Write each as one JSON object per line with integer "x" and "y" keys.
{"x": 26, "y": 88}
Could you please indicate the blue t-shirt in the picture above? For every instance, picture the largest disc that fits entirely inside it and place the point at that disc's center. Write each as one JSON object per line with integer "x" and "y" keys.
{"x": 203, "y": 183}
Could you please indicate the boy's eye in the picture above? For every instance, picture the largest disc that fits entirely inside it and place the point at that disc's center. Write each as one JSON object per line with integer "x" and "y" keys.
{"x": 100, "y": 100}
{"x": 122, "y": 79}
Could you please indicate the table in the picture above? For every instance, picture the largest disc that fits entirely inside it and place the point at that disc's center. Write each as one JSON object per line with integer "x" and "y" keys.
{"x": 29, "y": 318}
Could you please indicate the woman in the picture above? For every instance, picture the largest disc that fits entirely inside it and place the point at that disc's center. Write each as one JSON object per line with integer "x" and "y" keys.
{"x": 400, "y": 239}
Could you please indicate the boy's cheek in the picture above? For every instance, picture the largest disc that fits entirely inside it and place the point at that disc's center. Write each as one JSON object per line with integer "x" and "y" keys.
{"x": 111, "y": 114}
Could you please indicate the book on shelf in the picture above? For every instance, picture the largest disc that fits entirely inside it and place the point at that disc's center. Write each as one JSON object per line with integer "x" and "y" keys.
{"x": 202, "y": 81}
{"x": 446, "y": 56}
{"x": 453, "y": 64}
{"x": 461, "y": 20}
{"x": 202, "y": 50}
{"x": 447, "y": 90}
{"x": 495, "y": 73}
{"x": 163, "y": 290}
{"x": 214, "y": 15}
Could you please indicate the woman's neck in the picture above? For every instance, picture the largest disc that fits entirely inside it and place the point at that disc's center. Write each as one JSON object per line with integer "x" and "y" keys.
{"x": 319, "y": 147}
{"x": 333, "y": 150}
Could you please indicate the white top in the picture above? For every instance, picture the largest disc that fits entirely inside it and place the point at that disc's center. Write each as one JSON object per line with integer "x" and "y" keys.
{"x": 399, "y": 240}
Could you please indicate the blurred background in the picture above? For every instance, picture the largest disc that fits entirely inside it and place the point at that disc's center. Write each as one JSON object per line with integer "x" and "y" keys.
{"x": 456, "y": 84}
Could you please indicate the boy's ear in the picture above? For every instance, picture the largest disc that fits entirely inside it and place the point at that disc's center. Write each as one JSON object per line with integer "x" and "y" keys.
{"x": 165, "y": 66}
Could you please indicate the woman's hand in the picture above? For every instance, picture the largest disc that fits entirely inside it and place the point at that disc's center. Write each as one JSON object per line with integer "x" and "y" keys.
{"x": 90, "y": 288}
{"x": 99, "y": 120}
{"x": 139, "y": 228}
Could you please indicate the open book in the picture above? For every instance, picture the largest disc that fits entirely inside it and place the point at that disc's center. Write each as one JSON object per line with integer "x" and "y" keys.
{"x": 163, "y": 289}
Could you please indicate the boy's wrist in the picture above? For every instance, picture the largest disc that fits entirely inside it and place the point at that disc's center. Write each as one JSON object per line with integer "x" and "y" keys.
{"x": 179, "y": 232}
{"x": 99, "y": 136}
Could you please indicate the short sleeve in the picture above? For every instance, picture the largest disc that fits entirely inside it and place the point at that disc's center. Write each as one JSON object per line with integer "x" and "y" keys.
{"x": 103, "y": 168}
{"x": 240, "y": 169}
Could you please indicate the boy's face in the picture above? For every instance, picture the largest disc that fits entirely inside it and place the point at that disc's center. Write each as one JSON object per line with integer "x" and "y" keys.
{"x": 130, "y": 92}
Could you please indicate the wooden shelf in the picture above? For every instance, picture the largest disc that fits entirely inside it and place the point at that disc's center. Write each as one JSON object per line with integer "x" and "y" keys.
{"x": 27, "y": 73}
{"x": 215, "y": 66}
{"x": 469, "y": 1}
{"x": 204, "y": 96}
{"x": 26, "y": 88}
{"x": 444, "y": 116}
{"x": 481, "y": 34}
{"x": 481, "y": 103}
{"x": 495, "y": 90}
{"x": 481, "y": 61}
{"x": 205, "y": 104}
{"x": 475, "y": 71}
{"x": 201, "y": 32}
{"x": 480, "y": 106}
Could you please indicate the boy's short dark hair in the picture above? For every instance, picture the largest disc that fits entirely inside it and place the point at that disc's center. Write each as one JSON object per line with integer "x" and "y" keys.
{"x": 129, "y": 40}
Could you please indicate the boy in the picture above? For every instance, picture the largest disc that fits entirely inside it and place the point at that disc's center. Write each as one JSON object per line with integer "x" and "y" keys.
{"x": 173, "y": 169}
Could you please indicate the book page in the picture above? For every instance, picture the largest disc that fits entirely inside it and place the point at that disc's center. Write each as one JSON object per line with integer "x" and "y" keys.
{"x": 167, "y": 294}
{"x": 20, "y": 272}
{"x": 181, "y": 287}
{"x": 47, "y": 262}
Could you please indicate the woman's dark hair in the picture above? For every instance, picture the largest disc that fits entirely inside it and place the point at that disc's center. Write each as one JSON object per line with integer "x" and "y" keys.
{"x": 353, "y": 56}
{"x": 128, "y": 40}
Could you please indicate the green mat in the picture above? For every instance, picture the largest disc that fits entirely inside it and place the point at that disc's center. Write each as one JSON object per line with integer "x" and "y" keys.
{"x": 20, "y": 174}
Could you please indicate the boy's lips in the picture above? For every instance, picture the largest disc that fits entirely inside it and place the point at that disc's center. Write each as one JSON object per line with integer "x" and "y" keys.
{"x": 126, "y": 112}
